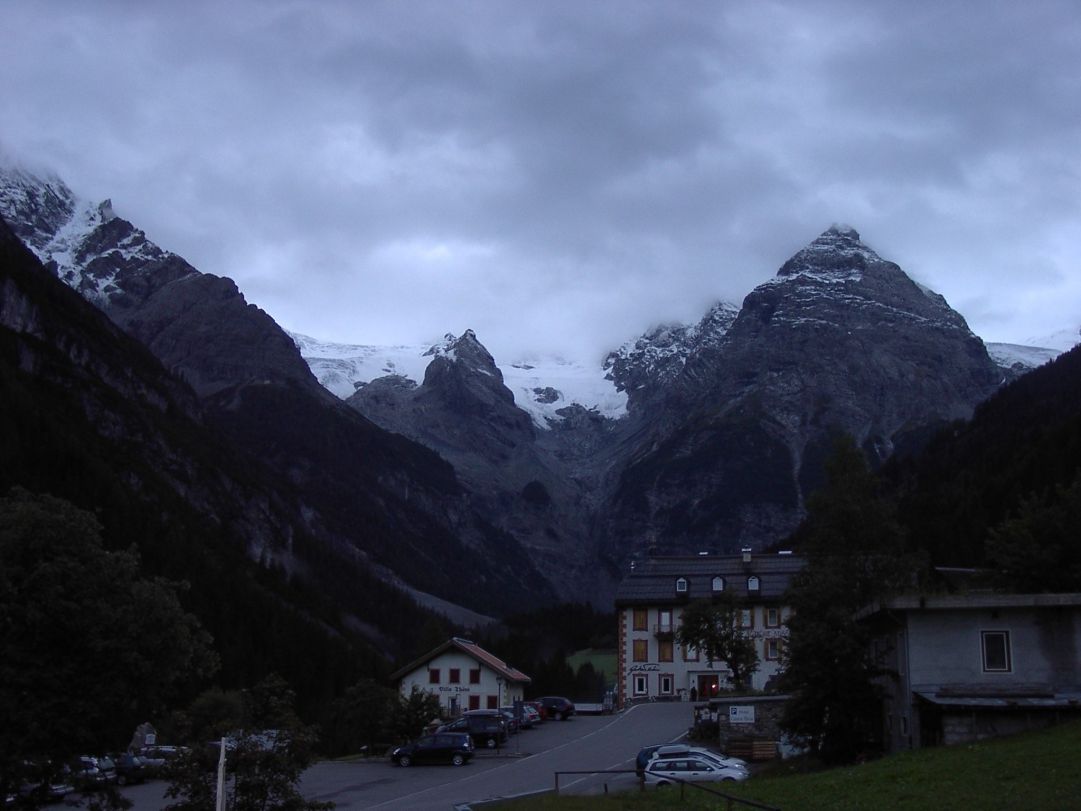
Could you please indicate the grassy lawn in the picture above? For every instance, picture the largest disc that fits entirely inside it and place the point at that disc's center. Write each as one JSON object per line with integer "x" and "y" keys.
{"x": 1036, "y": 770}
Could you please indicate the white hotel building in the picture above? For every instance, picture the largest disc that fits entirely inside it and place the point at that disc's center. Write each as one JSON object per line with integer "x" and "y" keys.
{"x": 649, "y": 603}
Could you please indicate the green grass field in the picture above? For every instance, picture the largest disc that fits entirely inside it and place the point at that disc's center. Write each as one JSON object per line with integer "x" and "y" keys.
{"x": 1039, "y": 770}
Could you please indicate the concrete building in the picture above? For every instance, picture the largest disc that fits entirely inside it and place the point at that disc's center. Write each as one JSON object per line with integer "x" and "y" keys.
{"x": 975, "y": 666}
{"x": 464, "y": 676}
{"x": 649, "y": 604}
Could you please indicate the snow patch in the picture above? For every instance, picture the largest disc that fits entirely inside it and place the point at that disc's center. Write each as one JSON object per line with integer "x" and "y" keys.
{"x": 1027, "y": 357}
{"x": 341, "y": 367}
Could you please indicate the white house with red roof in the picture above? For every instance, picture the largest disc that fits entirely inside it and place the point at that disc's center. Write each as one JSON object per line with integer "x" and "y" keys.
{"x": 464, "y": 676}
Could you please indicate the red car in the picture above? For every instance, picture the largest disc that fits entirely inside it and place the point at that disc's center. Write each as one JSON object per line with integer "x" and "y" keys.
{"x": 557, "y": 707}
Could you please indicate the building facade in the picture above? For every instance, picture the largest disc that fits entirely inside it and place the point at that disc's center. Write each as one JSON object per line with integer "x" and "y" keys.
{"x": 975, "y": 666}
{"x": 463, "y": 676}
{"x": 652, "y": 665}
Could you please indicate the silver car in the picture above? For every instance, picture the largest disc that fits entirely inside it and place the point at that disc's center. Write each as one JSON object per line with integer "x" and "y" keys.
{"x": 665, "y": 771}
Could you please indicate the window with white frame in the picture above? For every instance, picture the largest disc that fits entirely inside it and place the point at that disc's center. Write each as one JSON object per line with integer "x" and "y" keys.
{"x": 773, "y": 618}
{"x": 772, "y": 649}
{"x": 640, "y": 684}
{"x": 746, "y": 618}
{"x": 718, "y": 584}
{"x": 753, "y": 583}
{"x": 665, "y": 683}
{"x": 681, "y": 585}
{"x": 996, "y": 651}
{"x": 664, "y": 620}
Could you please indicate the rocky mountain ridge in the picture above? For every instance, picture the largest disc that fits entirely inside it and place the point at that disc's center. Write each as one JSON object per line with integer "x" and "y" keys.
{"x": 691, "y": 436}
{"x": 840, "y": 341}
{"x": 381, "y": 501}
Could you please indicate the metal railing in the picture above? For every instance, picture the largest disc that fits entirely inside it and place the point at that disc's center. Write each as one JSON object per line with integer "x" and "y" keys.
{"x": 683, "y": 784}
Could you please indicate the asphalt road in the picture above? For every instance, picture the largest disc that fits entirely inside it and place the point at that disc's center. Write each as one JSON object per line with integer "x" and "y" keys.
{"x": 526, "y": 765}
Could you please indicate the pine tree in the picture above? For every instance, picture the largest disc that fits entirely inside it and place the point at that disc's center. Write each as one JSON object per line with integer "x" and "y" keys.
{"x": 856, "y": 554}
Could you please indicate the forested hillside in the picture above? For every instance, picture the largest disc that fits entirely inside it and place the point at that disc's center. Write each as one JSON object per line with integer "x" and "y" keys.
{"x": 90, "y": 416}
{"x": 1004, "y": 484}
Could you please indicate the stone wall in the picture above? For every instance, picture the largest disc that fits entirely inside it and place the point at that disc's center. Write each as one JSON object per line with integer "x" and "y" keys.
{"x": 742, "y": 720}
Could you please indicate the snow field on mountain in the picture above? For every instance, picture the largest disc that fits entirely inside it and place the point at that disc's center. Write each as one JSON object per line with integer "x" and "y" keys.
{"x": 340, "y": 366}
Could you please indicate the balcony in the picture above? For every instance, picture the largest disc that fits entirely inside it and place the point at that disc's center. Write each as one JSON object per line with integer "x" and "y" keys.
{"x": 663, "y": 630}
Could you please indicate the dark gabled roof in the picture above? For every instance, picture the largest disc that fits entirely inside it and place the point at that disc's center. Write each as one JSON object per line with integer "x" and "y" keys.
{"x": 968, "y": 602}
{"x": 472, "y": 649}
{"x": 654, "y": 581}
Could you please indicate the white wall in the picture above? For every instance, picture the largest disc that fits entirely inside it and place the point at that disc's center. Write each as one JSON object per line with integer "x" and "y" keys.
{"x": 489, "y": 686}
{"x": 945, "y": 646}
{"x": 685, "y": 674}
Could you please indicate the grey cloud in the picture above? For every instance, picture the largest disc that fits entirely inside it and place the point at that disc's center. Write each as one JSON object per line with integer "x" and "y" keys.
{"x": 563, "y": 172}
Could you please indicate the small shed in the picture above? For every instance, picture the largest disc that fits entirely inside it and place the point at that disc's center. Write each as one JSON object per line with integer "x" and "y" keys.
{"x": 464, "y": 676}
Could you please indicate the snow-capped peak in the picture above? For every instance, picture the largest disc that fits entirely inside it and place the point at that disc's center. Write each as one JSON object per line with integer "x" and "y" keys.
{"x": 836, "y": 255}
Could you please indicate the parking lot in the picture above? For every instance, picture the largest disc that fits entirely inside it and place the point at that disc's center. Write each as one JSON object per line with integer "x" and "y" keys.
{"x": 526, "y": 765}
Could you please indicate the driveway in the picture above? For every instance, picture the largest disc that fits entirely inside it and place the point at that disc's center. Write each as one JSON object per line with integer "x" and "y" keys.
{"x": 526, "y": 765}
{"x": 582, "y": 743}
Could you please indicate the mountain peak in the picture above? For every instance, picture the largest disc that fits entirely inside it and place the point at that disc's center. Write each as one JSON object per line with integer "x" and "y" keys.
{"x": 843, "y": 231}
{"x": 837, "y": 254}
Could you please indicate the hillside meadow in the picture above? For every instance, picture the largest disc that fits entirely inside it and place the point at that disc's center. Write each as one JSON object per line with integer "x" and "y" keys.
{"x": 1035, "y": 770}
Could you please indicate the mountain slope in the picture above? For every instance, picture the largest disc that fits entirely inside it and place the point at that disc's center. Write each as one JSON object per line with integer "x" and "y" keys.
{"x": 840, "y": 341}
{"x": 91, "y": 416}
{"x": 361, "y": 491}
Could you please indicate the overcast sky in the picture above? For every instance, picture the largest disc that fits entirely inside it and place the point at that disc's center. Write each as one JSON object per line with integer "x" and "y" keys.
{"x": 562, "y": 175}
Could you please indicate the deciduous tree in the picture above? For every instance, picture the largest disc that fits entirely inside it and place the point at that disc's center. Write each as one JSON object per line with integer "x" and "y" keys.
{"x": 713, "y": 627}
{"x": 264, "y": 758}
{"x": 88, "y": 647}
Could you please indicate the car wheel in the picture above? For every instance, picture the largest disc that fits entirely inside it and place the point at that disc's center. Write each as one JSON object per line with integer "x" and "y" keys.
{"x": 457, "y": 760}
{"x": 490, "y": 743}
{"x": 404, "y": 760}
{"x": 662, "y": 783}
{"x": 558, "y": 716}
{"x": 121, "y": 780}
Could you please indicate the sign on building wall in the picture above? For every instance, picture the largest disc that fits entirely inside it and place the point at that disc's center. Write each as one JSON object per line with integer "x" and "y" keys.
{"x": 742, "y": 714}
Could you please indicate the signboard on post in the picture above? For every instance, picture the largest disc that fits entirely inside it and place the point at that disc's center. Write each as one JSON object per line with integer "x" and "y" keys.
{"x": 741, "y": 714}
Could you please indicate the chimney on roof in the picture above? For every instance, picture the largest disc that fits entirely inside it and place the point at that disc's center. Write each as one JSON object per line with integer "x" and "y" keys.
{"x": 746, "y": 554}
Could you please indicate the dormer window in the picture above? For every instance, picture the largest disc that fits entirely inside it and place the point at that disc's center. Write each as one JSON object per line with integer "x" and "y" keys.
{"x": 753, "y": 584}
{"x": 681, "y": 585}
{"x": 717, "y": 585}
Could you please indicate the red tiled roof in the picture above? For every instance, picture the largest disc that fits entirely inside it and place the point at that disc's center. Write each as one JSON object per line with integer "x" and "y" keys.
{"x": 489, "y": 660}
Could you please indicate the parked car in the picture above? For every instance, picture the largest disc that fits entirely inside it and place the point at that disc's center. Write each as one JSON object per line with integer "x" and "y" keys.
{"x": 107, "y": 766}
{"x": 489, "y": 730}
{"x": 455, "y": 748}
{"x": 85, "y": 775}
{"x": 44, "y": 782}
{"x": 508, "y": 716}
{"x": 557, "y": 707}
{"x": 530, "y": 716}
{"x": 129, "y": 768}
{"x": 665, "y": 771}
{"x": 539, "y": 707}
{"x": 156, "y": 758}
{"x": 675, "y": 750}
